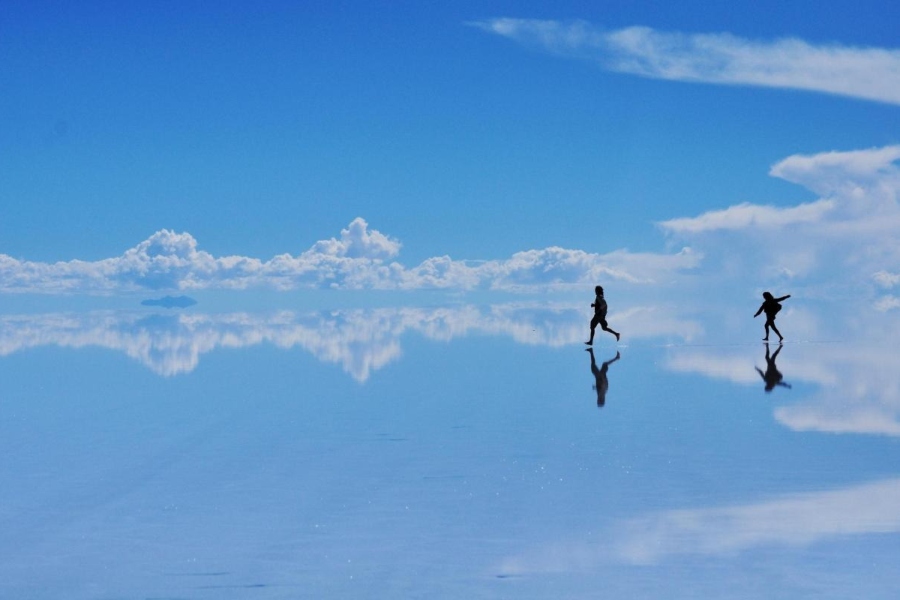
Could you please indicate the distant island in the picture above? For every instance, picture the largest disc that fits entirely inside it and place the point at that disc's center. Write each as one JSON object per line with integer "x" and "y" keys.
{"x": 170, "y": 302}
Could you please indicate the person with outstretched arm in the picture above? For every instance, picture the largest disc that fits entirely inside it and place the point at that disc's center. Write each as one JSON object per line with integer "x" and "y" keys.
{"x": 771, "y": 306}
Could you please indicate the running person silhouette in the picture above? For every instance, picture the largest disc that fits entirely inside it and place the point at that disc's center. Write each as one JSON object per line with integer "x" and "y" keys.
{"x": 771, "y": 306}
{"x": 600, "y": 316}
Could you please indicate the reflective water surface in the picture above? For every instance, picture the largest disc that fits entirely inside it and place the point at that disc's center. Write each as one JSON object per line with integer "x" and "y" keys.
{"x": 456, "y": 451}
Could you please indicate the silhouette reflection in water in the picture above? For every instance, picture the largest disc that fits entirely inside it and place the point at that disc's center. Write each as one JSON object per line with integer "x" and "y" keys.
{"x": 772, "y": 376}
{"x": 601, "y": 383}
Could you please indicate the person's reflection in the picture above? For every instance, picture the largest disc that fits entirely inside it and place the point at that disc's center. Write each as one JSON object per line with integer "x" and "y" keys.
{"x": 772, "y": 376}
{"x": 601, "y": 382}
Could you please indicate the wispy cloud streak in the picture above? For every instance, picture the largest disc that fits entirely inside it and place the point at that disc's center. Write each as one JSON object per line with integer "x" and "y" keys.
{"x": 746, "y": 215}
{"x": 718, "y": 58}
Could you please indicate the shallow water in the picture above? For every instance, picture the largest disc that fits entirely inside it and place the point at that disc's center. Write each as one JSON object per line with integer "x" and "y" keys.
{"x": 441, "y": 452}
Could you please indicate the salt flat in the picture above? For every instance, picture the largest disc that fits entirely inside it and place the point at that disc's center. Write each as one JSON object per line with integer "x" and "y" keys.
{"x": 444, "y": 452}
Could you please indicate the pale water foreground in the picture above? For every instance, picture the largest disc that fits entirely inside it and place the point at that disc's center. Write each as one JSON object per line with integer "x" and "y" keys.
{"x": 454, "y": 452}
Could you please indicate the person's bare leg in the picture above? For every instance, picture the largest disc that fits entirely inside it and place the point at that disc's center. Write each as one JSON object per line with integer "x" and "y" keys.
{"x": 775, "y": 329}
{"x": 590, "y": 342}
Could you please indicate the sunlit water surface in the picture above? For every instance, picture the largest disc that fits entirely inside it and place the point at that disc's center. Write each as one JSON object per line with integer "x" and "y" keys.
{"x": 458, "y": 452}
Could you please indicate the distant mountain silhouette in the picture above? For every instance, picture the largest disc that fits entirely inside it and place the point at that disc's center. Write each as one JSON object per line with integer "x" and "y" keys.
{"x": 170, "y": 302}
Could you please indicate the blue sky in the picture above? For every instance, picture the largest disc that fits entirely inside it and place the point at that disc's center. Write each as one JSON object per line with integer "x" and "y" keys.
{"x": 258, "y": 131}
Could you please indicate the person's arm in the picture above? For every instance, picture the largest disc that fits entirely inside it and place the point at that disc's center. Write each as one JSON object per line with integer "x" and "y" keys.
{"x": 782, "y": 298}
{"x": 761, "y": 306}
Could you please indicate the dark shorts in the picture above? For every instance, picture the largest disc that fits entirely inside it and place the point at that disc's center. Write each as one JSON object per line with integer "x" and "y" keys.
{"x": 599, "y": 319}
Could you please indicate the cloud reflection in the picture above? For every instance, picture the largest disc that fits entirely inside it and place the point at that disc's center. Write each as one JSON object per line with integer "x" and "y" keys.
{"x": 360, "y": 340}
{"x": 856, "y": 386}
{"x": 864, "y": 396}
{"x": 796, "y": 520}
{"x": 792, "y": 520}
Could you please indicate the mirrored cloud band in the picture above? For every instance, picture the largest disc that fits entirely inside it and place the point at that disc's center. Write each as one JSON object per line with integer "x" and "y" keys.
{"x": 360, "y": 340}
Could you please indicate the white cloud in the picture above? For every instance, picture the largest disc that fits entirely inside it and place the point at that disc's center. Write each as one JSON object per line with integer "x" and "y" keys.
{"x": 860, "y": 190}
{"x": 867, "y": 73}
{"x": 559, "y": 267}
{"x": 886, "y": 303}
{"x": 747, "y": 215}
{"x": 885, "y": 279}
{"x": 358, "y": 242}
{"x": 843, "y": 173}
{"x": 848, "y": 238}
{"x": 358, "y": 260}
{"x": 572, "y": 37}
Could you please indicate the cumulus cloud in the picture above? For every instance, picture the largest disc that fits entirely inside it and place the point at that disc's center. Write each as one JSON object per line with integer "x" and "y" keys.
{"x": 847, "y": 237}
{"x": 358, "y": 242}
{"x": 856, "y": 187}
{"x": 360, "y": 259}
{"x": 718, "y": 58}
{"x": 166, "y": 260}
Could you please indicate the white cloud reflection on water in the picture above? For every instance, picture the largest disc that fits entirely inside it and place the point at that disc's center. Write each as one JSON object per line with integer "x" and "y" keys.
{"x": 844, "y": 374}
{"x": 360, "y": 340}
{"x": 846, "y": 387}
{"x": 856, "y": 386}
{"x": 793, "y": 520}
{"x": 797, "y": 519}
